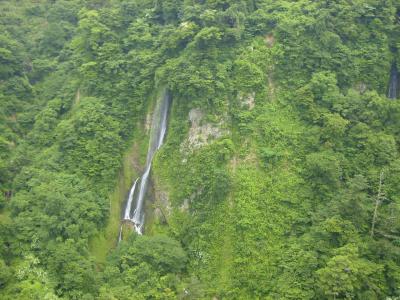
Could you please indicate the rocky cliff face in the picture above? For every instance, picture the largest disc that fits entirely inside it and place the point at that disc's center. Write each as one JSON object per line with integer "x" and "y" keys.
{"x": 202, "y": 132}
{"x": 162, "y": 204}
{"x": 247, "y": 100}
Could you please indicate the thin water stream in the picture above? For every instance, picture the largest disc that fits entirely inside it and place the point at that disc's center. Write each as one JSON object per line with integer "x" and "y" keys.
{"x": 137, "y": 197}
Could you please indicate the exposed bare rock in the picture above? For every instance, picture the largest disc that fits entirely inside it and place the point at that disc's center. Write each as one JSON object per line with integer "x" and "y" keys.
{"x": 201, "y": 132}
{"x": 195, "y": 116}
{"x": 185, "y": 206}
{"x": 162, "y": 204}
{"x": 147, "y": 123}
{"x": 361, "y": 87}
{"x": 269, "y": 40}
{"x": 186, "y": 202}
{"x": 247, "y": 100}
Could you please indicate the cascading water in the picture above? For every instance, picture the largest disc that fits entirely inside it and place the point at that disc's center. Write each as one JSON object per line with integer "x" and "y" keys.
{"x": 157, "y": 134}
{"x": 129, "y": 202}
{"x": 393, "y": 84}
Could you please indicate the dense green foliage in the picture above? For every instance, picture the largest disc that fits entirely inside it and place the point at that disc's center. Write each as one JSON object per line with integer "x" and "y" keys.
{"x": 293, "y": 195}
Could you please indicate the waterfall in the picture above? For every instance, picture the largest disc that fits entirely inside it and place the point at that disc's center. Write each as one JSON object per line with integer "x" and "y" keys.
{"x": 157, "y": 134}
{"x": 393, "y": 84}
{"x": 138, "y": 213}
{"x": 129, "y": 202}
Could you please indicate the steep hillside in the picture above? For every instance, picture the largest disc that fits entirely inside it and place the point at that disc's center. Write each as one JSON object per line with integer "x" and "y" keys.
{"x": 277, "y": 177}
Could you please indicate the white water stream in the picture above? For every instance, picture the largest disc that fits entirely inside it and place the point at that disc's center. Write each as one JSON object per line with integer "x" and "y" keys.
{"x": 157, "y": 134}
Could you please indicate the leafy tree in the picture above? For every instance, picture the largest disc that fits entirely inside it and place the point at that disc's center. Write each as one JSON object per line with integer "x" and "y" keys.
{"x": 346, "y": 275}
{"x": 323, "y": 171}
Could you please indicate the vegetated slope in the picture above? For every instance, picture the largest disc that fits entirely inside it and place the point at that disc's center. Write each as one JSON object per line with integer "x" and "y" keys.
{"x": 279, "y": 172}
